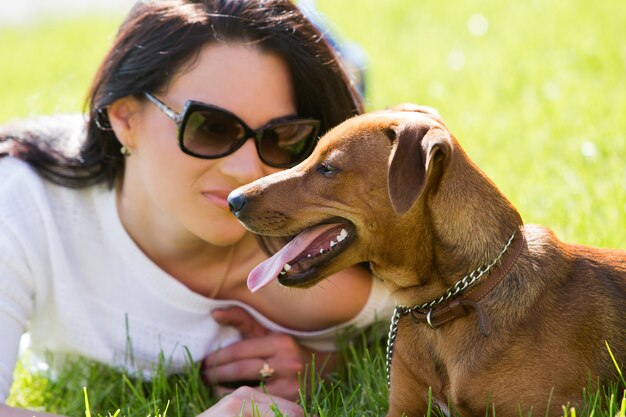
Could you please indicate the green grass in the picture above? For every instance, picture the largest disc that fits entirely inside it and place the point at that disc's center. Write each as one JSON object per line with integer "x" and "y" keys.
{"x": 359, "y": 390}
{"x": 545, "y": 83}
{"x": 48, "y": 68}
{"x": 538, "y": 101}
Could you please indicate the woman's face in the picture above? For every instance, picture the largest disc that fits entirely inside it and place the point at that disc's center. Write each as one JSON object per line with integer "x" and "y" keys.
{"x": 187, "y": 195}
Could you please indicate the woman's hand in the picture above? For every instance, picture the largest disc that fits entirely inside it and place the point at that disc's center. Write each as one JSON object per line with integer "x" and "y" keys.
{"x": 243, "y": 400}
{"x": 280, "y": 357}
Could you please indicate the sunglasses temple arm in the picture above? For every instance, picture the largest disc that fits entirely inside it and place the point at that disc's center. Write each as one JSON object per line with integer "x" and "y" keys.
{"x": 164, "y": 108}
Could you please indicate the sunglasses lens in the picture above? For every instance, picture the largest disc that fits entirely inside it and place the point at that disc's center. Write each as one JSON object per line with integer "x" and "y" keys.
{"x": 214, "y": 133}
{"x": 211, "y": 133}
{"x": 287, "y": 144}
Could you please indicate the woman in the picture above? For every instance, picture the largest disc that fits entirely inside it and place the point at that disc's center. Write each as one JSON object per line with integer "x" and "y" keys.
{"x": 125, "y": 248}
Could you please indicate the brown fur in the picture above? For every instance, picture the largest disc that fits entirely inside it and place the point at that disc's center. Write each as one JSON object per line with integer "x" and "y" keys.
{"x": 424, "y": 215}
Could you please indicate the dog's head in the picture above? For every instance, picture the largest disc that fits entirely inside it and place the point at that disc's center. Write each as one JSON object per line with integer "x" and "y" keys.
{"x": 361, "y": 182}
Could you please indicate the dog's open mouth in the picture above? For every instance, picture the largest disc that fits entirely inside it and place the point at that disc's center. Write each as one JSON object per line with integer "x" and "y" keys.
{"x": 296, "y": 263}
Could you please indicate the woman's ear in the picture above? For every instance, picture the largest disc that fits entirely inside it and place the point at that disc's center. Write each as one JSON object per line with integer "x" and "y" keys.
{"x": 122, "y": 114}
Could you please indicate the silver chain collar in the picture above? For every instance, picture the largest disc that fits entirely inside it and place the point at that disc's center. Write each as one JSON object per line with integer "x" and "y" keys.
{"x": 456, "y": 289}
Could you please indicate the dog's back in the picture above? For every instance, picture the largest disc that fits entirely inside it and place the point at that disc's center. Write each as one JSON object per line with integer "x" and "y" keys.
{"x": 555, "y": 317}
{"x": 598, "y": 281}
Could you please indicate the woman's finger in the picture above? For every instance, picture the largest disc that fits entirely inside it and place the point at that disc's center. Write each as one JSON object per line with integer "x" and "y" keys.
{"x": 283, "y": 385}
{"x": 241, "y": 320}
{"x": 244, "y": 370}
{"x": 239, "y": 351}
{"x": 244, "y": 400}
{"x": 265, "y": 401}
{"x": 259, "y": 347}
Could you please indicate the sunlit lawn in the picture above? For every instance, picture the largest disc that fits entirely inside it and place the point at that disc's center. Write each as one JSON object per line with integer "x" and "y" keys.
{"x": 534, "y": 90}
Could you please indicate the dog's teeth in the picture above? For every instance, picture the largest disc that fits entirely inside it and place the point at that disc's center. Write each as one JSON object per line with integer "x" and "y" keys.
{"x": 342, "y": 235}
{"x": 282, "y": 273}
{"x": 309, "y": 255}
{"x": 321, "y": 250}
{"x": 287, "y": 267}
{"x": 332, "y": 243}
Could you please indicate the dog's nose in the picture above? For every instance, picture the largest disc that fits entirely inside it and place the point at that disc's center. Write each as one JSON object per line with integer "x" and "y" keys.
{"x": 236, "y": 202}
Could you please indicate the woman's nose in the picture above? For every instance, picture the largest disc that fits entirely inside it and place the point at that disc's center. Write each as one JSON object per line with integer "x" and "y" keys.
{"x": 244, "y": 165}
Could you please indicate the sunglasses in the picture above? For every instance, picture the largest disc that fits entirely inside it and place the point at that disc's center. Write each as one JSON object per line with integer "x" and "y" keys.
{"x": 210, "y": 132}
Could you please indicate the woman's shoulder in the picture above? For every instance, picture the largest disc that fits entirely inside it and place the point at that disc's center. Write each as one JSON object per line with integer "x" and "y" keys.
{"x": 28, "y": 199}
{"x": 17, "y": 175}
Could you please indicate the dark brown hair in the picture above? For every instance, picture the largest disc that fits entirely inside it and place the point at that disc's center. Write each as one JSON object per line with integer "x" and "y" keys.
{"x": 160, "y": 38}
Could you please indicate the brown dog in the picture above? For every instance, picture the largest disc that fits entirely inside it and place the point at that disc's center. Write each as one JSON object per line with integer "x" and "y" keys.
{"x": 492, "y": 313}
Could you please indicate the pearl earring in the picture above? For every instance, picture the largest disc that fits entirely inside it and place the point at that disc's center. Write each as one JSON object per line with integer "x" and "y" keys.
{"x": 125, "y": 151}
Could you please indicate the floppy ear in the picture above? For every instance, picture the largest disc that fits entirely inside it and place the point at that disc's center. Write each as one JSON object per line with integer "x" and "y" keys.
{"x": 419, "y": 150}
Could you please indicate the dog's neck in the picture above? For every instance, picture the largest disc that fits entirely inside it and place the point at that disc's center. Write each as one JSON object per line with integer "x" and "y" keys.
{"x": 467, "y": 293}
{"x": 462, "y": 298}
{"x": 454, "y": 235}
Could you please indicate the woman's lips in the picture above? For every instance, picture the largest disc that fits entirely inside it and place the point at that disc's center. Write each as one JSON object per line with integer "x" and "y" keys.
{"x": 217, "y": 197}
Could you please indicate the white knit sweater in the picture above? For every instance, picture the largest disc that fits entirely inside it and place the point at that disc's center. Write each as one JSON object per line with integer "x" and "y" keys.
{"x": 73, "y": 279}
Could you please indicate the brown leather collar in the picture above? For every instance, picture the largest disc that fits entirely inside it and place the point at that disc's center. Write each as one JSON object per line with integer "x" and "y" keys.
{"x": 469, "y": 300}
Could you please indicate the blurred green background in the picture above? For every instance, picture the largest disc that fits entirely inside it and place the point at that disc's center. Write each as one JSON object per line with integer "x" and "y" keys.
{"x": 534, "y": 90}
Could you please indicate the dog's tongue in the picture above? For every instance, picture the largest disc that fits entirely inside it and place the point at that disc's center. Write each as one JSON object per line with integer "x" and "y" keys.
{"x": 268, "y": 270}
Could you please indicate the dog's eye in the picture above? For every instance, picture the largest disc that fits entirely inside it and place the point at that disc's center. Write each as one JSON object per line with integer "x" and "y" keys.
{"x": 326, "y": 169}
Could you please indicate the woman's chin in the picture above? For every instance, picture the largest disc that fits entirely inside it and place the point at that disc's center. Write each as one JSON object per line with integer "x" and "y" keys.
{"x": 224, "y": 232}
